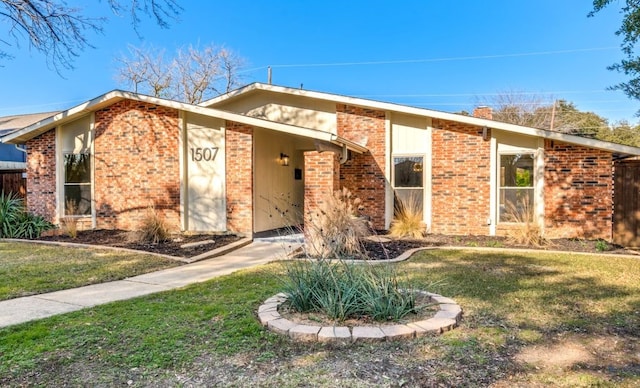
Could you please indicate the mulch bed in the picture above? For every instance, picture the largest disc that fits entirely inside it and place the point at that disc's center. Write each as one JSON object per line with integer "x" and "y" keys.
{"x": 394, "y": 248}
{"x": 375, "y": 250}
{"x": 126, "y": 239}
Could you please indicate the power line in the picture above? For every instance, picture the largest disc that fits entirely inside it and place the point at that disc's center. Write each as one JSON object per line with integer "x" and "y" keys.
{"x": 540, "y": 103}
{"x": 427, "y": 60}
{"x": 487, "y": 94}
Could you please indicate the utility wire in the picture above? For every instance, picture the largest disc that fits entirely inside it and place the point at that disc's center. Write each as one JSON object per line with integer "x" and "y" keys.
{"x": 488, "y": 94}
{"x": 427, "y": 60}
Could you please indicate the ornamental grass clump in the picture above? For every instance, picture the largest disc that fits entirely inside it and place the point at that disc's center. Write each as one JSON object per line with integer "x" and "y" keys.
{"x": 69, "y": 223}
{"x": 526, "y": 230}
{"x": 408, "y": 219}
{"x": 344, "y": 290}
{"x": 333, "y": 231}
{"x": 154, "y": 228}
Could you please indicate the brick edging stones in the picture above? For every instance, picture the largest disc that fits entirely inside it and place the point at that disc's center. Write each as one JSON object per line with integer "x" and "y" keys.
{"x": 445, "y": 319}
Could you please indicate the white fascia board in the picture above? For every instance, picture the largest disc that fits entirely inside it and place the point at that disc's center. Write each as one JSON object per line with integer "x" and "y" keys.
{"x": 12, "y": 165}
{"x": 33, "y": 130}
{"x": 112, "y": 97}
{"x": 546, "y": 134}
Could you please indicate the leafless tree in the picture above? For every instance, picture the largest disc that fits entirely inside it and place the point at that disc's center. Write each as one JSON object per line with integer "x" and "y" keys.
{"x": 545, "y": 112}
{"x": 60, "y": 31}
{"x": 145, "y": 71}
{"x": 521, "y": 108}
{"x": 192, "y": 75}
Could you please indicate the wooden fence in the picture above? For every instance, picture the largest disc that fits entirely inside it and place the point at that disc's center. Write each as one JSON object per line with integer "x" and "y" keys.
{"x": 11, "y": 181}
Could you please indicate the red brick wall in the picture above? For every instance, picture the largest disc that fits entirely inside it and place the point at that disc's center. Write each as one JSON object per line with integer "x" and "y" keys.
{"x": 364, "y": 174}
{"x": 321, "y": 178}
{"x": 460, "y": 179}
{"x": 41, "y": 175}
{"x": 578, "y": 191}
{"x": 239, "y": 161}
{"x": 136, "y": 164}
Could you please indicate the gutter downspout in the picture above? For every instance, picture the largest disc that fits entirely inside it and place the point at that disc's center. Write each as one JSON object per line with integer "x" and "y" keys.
{"x": 345, "y": 154}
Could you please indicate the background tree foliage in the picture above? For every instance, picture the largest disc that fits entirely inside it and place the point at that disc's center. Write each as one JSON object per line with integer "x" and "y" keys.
{"x": 533, "y": 110}
{"x": 630, "y": 31}
{"x": 60, "y": 31}
{"x": 191, "y": 75}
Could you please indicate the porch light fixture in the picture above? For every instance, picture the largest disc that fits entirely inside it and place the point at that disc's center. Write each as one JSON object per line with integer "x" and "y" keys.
{"x": 284, "y": 159}
{"x": 417, "y": 167}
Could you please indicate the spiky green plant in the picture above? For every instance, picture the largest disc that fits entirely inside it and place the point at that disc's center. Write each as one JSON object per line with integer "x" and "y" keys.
{"x": 16, "y": 222}
{"x": 344, "y": 290}
{"x": 11, "y": 206}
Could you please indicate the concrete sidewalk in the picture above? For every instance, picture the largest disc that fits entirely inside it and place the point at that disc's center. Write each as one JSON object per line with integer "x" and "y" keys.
{"x": 18, "y": 310}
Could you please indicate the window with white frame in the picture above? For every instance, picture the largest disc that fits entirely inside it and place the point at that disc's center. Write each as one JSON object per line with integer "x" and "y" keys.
{"x": 77, "y": 184}
{"x": 408, "y": 178}
{"x": 76, "y": 168}
{"x": 516, "y": 192}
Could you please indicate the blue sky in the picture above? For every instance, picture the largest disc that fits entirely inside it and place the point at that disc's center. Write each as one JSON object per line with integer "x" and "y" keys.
{"x": 443, "y": 55}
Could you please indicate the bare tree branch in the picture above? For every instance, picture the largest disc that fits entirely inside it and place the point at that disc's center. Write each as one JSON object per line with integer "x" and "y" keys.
{"x": 60, "y": 32}
{"x": 521, "y": 108}
{"x": 534, "y": 110}
{"x": 192, "y": 76}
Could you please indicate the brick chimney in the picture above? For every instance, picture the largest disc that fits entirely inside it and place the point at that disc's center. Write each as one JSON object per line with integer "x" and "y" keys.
{"x": 483, "y": 112}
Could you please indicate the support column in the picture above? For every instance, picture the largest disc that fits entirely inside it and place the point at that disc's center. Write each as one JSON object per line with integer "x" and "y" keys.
{"x": 239, "y": 161}
{"x": 321, "y": 178}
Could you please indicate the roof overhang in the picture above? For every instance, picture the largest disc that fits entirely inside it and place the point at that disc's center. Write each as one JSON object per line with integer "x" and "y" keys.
{"x": 22, "y": 135}
{"x": 11, "y": 166}
{"x": 434, "y": 114}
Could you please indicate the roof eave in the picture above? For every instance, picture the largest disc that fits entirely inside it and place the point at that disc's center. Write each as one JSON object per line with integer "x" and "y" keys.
{"x": 592, "y": 143}
{"x": 29, "y": 132}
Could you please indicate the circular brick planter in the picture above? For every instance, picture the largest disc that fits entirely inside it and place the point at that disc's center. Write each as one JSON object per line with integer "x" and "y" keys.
{"x": 445, "y": 319}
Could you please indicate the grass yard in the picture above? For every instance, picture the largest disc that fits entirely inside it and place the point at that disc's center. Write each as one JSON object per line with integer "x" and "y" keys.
{"x": 28, "y": 269}
{"x": 530, "y": 320}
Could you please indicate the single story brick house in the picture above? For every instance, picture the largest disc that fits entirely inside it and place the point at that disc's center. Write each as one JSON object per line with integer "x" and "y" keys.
{"x": 241, "y": 161}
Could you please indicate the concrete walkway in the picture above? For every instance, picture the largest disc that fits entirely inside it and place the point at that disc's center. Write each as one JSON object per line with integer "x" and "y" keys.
{"x": 18, "y": 310}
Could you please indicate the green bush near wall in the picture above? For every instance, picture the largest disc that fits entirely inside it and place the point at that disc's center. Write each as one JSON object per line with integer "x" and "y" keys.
{"x": 16, "y": 222}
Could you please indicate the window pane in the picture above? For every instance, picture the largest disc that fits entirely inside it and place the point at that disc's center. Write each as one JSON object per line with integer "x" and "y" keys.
{"x": 516, "y": 205}
{"x": 516, "y": 170}
{"x": 407, "y": 171}
{"x": 77, "y": 200}
{"x": 77, "y": 168}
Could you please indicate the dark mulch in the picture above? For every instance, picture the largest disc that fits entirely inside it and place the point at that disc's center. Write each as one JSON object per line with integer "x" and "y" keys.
{"x": 125, "y": 239}
{"x": 394, "y": 248}
{"x": 375, "y": 250}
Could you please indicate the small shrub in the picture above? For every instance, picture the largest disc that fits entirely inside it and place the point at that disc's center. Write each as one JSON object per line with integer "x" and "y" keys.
{"x": 154, "y": 228}
{"x": 527, "y": 232}
{"x": 334, "y": 230}
{"x": 16, "y": 222}
{"x": 602, "y": 246}
{"x": 345, "y": 290}
{"x": 494, "y": 244}
{"x": 408, "y": 220}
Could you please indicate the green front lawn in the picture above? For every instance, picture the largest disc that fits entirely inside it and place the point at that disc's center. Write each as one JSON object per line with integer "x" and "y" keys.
{"x": 28, "y": 269}
{"x": 530, "y": 319}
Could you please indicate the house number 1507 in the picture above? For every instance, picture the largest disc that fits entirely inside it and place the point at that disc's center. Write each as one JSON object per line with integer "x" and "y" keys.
{"x": 207, "y": 154}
